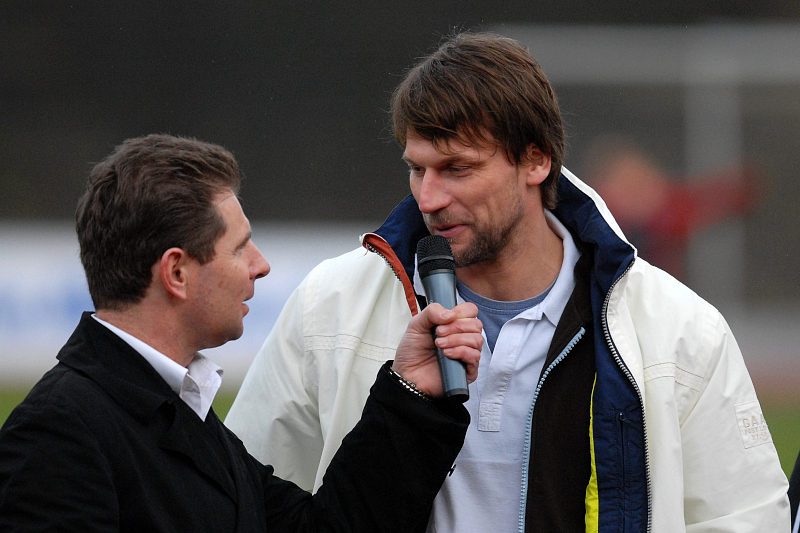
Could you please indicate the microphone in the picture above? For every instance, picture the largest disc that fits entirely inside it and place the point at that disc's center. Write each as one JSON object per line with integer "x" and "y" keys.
{"x": 437, "y": 269}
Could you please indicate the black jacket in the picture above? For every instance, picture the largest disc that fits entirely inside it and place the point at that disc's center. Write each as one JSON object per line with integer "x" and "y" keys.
{"x": 102, "y": 443}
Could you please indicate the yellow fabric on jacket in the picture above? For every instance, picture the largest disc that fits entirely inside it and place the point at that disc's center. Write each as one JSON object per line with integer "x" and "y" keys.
{"x": 592, "y": 495}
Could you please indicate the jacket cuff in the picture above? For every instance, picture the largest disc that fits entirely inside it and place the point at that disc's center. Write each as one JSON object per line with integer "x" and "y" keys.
{"x": 391, "y": 389}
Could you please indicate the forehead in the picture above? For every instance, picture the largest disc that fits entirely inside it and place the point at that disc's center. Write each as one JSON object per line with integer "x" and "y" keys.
{"x": 227, "y": 202}
{"x": 230, "y": 210}
{"x": 420, "y": 148}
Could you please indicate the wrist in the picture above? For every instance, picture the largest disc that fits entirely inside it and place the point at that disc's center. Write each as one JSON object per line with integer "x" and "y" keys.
{"x": 408, "y": 385}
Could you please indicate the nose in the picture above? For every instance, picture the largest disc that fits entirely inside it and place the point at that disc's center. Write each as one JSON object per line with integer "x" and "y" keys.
{"x": 430, "y": 192}
{"x": 260, "y": 266}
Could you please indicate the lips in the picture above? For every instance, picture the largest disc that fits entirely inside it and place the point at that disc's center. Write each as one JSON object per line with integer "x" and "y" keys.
{"x": 444, "y": 224}
{"x": 246, "y": 307}
{"x": 448, "y": 232}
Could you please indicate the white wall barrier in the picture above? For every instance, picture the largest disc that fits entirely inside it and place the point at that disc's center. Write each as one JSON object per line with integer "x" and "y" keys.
{"x": 43, "y": 290}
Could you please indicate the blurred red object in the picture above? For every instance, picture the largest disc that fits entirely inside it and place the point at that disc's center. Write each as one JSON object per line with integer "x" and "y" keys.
{"x": 659, "y": 213}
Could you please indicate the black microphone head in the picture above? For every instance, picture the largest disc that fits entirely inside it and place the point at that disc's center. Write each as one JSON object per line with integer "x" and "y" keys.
{"x": 434, "y": 253}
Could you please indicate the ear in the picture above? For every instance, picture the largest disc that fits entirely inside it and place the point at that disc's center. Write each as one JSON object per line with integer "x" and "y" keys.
{"x": 172, "y": 272}
{"x": 536, "y": 165}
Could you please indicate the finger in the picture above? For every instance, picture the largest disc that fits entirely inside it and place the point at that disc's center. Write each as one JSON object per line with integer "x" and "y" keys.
{"x": 472, "y": 370}
{"x": 470, "y": 339}
{"x": 463, "y": 353}
{"x": 433, "y": 315}
{"x": 465, "y": 310}
{"x": 462, "y": 325}
{"x": 437, "y": 314}
{"x": 468, "y": 351}
{"x": 468, "y": 355}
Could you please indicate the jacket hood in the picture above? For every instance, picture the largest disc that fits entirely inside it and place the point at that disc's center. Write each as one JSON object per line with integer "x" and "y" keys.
{"x": 585, "y": 214}
{"x": 401, "y": 230}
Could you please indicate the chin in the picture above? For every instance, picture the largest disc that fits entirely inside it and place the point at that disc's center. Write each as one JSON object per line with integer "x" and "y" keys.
{"x": 236, "y": 334}
{"x": 229, "y": 335}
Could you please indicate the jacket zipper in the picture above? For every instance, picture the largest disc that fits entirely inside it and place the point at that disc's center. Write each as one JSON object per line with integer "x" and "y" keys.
{"x": 402, "y": 277}
{"x": 388, "y": 263}
{"x": 629, "y": 377}
{"x": 526, "y": 452}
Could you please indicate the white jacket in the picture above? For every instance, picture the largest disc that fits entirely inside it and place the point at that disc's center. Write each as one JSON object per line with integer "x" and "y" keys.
{"x": 710, "y": 461}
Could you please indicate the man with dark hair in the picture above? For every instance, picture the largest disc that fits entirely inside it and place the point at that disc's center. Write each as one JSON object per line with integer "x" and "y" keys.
{"x": 610, "y": 397}
{"x": 120, "y": 435}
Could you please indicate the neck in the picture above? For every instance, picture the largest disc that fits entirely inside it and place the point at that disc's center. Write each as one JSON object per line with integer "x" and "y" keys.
{"x": 151, "y": 328}
{"x": 523, "y": 269}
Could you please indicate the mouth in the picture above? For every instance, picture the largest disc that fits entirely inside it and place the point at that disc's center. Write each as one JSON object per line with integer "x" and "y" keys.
{"x": 245, "y": 306}
{"x": 447, "y": 231}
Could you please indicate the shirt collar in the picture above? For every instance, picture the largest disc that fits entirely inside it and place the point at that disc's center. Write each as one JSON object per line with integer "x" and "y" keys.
{"x": 196, "y": 384}
{"x": 556, "y": 300}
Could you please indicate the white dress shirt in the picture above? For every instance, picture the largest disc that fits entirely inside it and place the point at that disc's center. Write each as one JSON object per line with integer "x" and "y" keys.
{"x": 196, "y": 384}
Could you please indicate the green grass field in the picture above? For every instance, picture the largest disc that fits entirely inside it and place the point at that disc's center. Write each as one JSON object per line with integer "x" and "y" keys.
{"x": 783, "y": 420}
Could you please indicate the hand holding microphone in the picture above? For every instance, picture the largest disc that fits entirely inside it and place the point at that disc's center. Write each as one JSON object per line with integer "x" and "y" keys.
{"x": 453, "y": 330}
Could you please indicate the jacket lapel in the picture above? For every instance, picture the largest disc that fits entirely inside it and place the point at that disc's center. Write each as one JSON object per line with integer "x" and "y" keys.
{"x": 194, "y": 440}
{"x": 130, "y": 380}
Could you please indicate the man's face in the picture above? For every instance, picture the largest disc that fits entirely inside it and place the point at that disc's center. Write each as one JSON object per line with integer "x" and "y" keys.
{"x": 221, "y": 286}
{"x": 471, "y": 195}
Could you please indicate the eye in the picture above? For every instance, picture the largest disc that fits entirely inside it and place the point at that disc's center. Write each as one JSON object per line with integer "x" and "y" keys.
{"x": 242, "y": 246}
{"x": 415, "y": 170}
{"x": 458, "y": 170}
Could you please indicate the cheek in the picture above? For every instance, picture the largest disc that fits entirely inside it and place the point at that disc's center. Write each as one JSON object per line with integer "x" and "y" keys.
{"x": 242, "y": 277}
{"x": 229, "y": 280}
{"x": 501, "y": 196}
{"x": 413, "y": 185}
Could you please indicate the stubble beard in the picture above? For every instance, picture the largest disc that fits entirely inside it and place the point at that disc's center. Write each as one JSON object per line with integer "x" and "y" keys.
{"x": 489, "y": 240}
{"x": 485, "y": 246}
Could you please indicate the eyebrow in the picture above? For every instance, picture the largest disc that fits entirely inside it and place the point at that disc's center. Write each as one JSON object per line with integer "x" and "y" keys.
{"x": 449, "y": 160}
{"x": 246, "y": 239}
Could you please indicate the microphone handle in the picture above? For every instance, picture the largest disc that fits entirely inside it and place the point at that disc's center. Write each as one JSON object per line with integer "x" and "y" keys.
{"x": 440, "y": 287}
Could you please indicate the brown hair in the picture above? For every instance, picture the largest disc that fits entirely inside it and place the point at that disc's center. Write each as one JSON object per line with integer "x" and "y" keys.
{"x": 150, "y": 194}
{"x": 478, "y": 89}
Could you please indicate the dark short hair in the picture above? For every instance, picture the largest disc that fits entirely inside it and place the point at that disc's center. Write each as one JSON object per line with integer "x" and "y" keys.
{"x": 481, "y": 88}
{"x": 150, "y": 194}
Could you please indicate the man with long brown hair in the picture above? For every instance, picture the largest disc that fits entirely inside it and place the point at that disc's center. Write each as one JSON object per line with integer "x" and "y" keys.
{"x": 610, "y": 397}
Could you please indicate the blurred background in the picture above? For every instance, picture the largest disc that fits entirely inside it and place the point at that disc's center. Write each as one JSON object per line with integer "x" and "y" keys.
{"x": 686, "y": 115}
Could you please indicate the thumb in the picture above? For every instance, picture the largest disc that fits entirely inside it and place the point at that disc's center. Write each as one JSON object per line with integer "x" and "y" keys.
{"x": 435, "y": 314}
